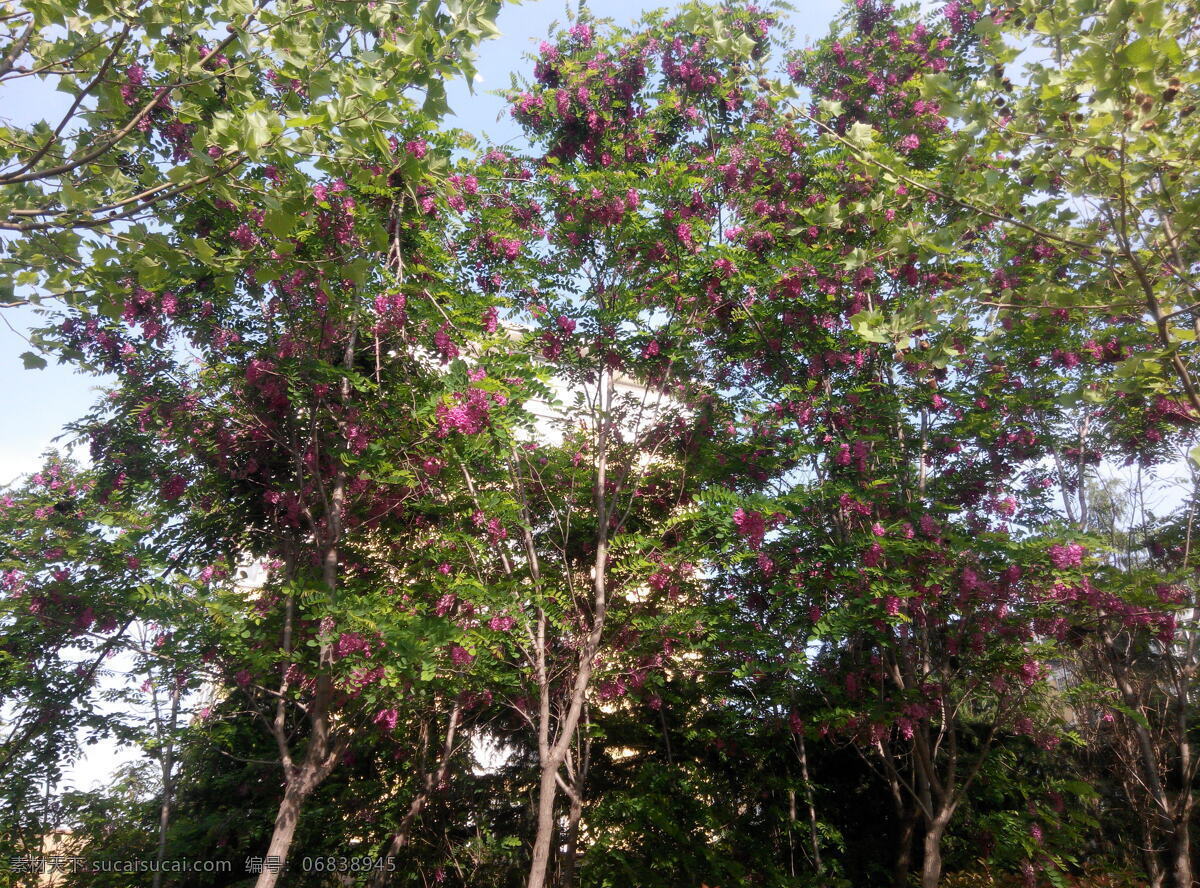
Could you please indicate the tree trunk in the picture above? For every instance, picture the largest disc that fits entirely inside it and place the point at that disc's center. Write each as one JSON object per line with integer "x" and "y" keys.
{"x": 577, "y": 771}
{"x": 547, "y": 791}
{"x": 285, "y": 828}
{"x": 814, "y": 835}
{"x": 904, "y": 847}
{"x": 319, "y": 760}
{"x": 572, "y": 850}
{"x": 432, "y": 780}
{"x": 167, "y": 764}
{"x": 931, "y": 865}
{"x": 1181, "y": 854}
{"x": 553, "y": 755}
{"x": 1155, "y": 876}
{"x": 323, "y": 749}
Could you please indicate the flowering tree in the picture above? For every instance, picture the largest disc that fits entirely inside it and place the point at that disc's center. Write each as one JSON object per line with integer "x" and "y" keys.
{"x": 289, "y": 302}
{"x": 81, "y": 575}
{"x": 899, "y": 516}
{"x": 251, "y": 398}
{"x": 607, "y": 246}
{"x": 1106, "y": 150}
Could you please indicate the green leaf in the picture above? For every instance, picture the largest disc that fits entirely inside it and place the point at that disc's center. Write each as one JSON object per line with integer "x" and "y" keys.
{"x": 861, "y": 135}
{"x": 204, "y": 251}
{"x": 868, "y": 326}
{"x": 279, "y": 222}
{"x": 435, "y": 104}
{"x": 1140, "y": 54}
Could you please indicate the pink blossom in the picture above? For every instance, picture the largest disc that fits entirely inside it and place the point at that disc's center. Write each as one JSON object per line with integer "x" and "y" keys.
{"x": 135, "y": 77}
{"x": 751, "y": 526}
{"x": 352, "y": 643}
{"x": 1030, "y": 672}
{"x": 444, "y": 344}
{"x": 491, "y": 320}
{"x": 496, "y": 531}
{"x": 872, "y": 556}
{"x": 1063, "y": 557}
{"x": 467, "y": 414}
{"x": 243, "y": 237}
{"x": 510, "y": 247}
{"x": 386, "y": 719}
{"x": 173, "y": 488}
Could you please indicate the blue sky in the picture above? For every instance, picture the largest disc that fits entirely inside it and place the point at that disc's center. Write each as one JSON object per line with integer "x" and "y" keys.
{"x": 36, "y": 404}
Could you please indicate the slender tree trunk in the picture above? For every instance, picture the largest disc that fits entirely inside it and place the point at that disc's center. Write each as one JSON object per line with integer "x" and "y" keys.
{"x": 908, "y": 814}
{"x": 553, "y": 756}
{"x": 323, "y": 749}
{"x": 577, "y": 768}
{"x": 814, "y": 835}
{"x": 574, "y": 815}
{"x": 791, "y": 832}
{"x": 320, "y": 757}
{"x": 1181, "y": 837}
{"x": 1156, "y": 877}
{"x": 432, "y": 779}
{"x": 167, "y": 764}
{"x": 286, "y": 821}
{"x": 1150, "y": 854}
{"x": 547, "y": 792}
{"x": 1181, "y": 854}
{"x": 1159, "y": 799}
